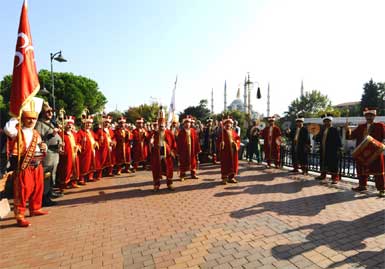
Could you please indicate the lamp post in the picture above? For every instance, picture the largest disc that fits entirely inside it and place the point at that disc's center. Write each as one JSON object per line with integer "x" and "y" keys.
{"x": 248, "y": 87}
{"x": 57, "y": 56}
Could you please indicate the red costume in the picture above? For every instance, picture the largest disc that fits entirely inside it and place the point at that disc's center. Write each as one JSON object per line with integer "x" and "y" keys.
{"x": 188, "y": 148}
{"x": 68, "y": 168}
{"x": 103, "y": 152}
{"x": 85, "y": 138}
{"x": 229, "y": 143}
{"x": 376, "y": 168}
{"x": 139, "y": 146}
{"x": 272, "y": 141}
{"x": 28, "y": 175}
{"x": 122, "y": 148}
{"x": 161, "y": 157}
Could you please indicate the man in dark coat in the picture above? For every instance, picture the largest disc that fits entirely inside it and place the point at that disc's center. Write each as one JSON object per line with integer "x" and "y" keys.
{"x": 330, "y": 149}
{"x": 300, "y": 146}
{"x": 253, "y": 147}
{"x": 209, "y": 145}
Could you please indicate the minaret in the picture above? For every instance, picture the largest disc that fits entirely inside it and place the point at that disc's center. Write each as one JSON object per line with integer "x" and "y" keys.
{"x": 248, "y": 94}
{"x": 268, "y": 100}
{"x": 212, "y": 101}
{"x": 245, "y": 96}
{"x": 301, "y": 88}
{"x": 225, "y": 101}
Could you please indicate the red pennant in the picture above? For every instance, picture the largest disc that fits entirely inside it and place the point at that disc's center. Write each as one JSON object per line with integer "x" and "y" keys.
{"x": 25, "y": 80}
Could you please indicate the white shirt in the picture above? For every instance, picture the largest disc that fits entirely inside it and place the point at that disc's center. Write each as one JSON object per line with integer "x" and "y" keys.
{"x": 11, "y": 131}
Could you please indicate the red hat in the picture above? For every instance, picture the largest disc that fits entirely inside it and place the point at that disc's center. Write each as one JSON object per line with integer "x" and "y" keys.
{"x": 107, "y": 118}
{"x": 140, "y": 120}
{"x": 188, "y": 119}
{"x": 370, "y": 110}
{"x": 122, "y": 120}
{"x": 69, "y": 120}
{"x": 87, "y": 118}
{"x": 228, "y": 119}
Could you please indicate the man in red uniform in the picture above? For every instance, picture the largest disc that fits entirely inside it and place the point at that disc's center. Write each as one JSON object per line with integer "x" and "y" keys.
{"x": 376, "y": 168}
{"x": 162, "y": 154}
{"x": 104, "y": 136}
{"x": 28, "y": 175}
{"x": 68, "y": 168}
{"x": 272, "y": 141}
{"x": 188, "y": 148}
{"x": 229, "y": 143}
{"x": 139, "y": 146}
{"x": 122, "y": 148}
{"x": 85, "y": 138}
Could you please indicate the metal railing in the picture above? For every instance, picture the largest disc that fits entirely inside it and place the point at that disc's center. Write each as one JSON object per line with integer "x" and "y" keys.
{"x": 347, "y": 165}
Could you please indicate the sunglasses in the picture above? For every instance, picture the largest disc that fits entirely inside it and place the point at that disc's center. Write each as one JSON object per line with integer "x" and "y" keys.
{"x": 49, "y": 111}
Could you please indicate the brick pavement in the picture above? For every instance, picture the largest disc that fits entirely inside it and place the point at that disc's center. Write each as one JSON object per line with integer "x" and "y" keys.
{"x": 268, "y": 220}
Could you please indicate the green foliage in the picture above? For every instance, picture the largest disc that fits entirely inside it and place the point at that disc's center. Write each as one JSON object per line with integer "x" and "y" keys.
{"x": 73, "y": 93}
{"x": 115, "y": 115}
{"x": 148, "y": 112}
{"x": 200, "y": 112}
{"x": 311, "y": 104}
{"x": 374, "y": 96}
{"x": 370, "y": 96}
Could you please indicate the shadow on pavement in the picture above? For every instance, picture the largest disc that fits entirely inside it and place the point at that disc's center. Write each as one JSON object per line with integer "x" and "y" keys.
{"x": 134, "y": 193}
{"x": 367, "y": 259}
{"x": 339, "y": 236}
{"x": 289, "y": 187}
{"x": 304, "y": 206}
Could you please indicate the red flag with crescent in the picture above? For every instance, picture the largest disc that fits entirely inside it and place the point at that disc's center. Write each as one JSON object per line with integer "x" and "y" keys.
{"x": 25, "y": 80}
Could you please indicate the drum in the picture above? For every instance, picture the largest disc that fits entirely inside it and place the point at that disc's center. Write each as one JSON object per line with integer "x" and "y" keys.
{"x": 368, "y": 151}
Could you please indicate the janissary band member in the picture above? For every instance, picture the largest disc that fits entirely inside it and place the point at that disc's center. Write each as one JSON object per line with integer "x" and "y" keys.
{"x": 48, "y": 131}
{"x": 139, "y": 145}
{"x": 376, "y": 168}
{"x": 209, "y": 144}
{"x": 300, "y": 145}
{"x": 330, "y": 149}
{"x": 229, "y": 143}
{"x": 85, "y": 138}
{"x": 122, "y": 148}
{"x": 272, "y": 136}
{"x": 188, "y": 148}
{"x": 104, "y": 155}
{"x": 162, "y": 154}
{"x": 68, "y": 169}
{"x": 28, "y": 177}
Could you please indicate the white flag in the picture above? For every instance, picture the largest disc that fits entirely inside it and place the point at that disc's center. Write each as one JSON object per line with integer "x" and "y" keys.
{"x": 171, "y": 110}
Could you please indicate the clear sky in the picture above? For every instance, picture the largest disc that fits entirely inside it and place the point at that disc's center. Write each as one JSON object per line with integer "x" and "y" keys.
{"x": 134, "y": 49}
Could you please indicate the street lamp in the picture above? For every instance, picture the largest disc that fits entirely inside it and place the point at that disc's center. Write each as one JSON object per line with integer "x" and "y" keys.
{"x": 57, "y": 57}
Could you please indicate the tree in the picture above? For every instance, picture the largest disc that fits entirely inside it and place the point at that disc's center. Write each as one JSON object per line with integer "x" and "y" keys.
{"x": 370, "y": 96}
{"x": 200, "y": 112}
{"x": 115, "y": 115}
{"x": 381, "y": 98}
{"x": 311, "y": 104}
{"x": 72, "y": 92}
{"x": 148, "y": 112}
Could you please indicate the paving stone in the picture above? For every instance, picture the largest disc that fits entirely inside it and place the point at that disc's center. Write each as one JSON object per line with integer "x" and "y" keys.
{"x": 267, "y": 220}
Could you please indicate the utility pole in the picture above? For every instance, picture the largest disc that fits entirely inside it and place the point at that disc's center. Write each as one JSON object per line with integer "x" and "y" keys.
{"x": 268, "y": 100}
{"x": 302, "y": 88}
{"x": 225, "y": 101}
{"x": 212, "y": 101}
{"x": 249, "y": 95}
{"x": 245, "y": 96}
